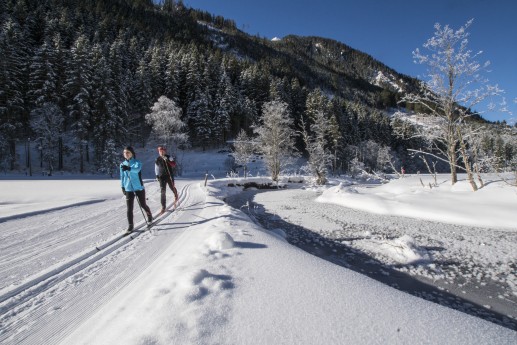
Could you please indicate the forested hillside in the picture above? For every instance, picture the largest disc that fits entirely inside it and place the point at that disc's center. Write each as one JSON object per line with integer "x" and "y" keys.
{"x": 78, "y": 78}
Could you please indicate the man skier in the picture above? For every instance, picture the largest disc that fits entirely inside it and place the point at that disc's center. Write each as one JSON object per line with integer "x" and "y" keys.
{"x": 163, "y": 170}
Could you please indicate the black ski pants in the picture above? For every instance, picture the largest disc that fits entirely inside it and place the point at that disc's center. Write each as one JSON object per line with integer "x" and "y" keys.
{"x": 130, "y": 202}
{"x": 164, "y": 182}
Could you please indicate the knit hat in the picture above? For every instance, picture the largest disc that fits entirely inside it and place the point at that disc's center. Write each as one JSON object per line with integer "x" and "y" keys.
{"x": 130, "y": 149}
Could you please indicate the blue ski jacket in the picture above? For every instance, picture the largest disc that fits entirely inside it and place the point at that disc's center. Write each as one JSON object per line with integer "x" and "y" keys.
{"x": 131, "y": 180}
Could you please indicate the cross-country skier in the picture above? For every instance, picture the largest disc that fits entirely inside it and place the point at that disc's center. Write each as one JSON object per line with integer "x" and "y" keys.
{"x": 131, "y": 182}
{"x": 163, "y": 168}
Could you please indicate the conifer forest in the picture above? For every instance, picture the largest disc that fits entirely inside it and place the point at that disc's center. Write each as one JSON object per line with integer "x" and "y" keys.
{"x": 77, "y": 79}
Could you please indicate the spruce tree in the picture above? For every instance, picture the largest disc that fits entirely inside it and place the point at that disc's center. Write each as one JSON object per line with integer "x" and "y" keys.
{"x": 78, "y": 89}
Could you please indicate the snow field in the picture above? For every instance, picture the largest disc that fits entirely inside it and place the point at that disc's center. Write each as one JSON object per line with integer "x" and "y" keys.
{"x": 210, "y": 274}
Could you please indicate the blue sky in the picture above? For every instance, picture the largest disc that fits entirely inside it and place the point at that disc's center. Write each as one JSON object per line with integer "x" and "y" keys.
{"x": 388, "y": 30}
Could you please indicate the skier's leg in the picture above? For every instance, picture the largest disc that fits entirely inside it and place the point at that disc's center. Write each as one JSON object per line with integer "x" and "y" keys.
{"x": 141, "y": 198}
{"x": 130, "y": 200}
{"x": 170, "y": 183}
{"x": 163, "y": 191}
{"x": 173, "y": 188}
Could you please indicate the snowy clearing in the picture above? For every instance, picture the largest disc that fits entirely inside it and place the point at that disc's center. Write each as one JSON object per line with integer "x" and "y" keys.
{"x": 207, "y": 273}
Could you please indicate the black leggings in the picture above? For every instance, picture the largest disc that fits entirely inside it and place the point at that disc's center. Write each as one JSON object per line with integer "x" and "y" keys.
{"x": 164, "y": 182}
{"x": 130, "y": 201}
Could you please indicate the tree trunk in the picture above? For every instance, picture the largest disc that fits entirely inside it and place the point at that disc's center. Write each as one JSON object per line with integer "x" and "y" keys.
{"x": 60, "y": 154}
{"x": 81, "y": 158}
{"x": 465, "y": 157}
{"x": 12, "y": 152}
{"x": 452, "y": 162}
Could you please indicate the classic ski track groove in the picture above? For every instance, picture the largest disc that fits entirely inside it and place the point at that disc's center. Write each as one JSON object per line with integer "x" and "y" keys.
{"x": 67, "y": 240}
{"x": 105, "y": 288}
{"x": 47, "y": 280}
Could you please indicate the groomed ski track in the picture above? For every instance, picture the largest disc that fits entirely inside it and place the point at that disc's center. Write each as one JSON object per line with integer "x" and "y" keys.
{"x": 80, "y": 284}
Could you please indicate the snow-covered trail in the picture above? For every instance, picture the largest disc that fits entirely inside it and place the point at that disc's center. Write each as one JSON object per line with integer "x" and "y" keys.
{"x": 65, "y": 277}
{"x": 34, "y": 242}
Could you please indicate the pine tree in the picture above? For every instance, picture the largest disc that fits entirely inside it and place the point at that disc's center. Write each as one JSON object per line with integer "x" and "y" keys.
{"x": 200, "y": 119}
{"x": 171, "y": 76}
{"x": 225, "y": 102}
{"x": 141, "y": 100}
{"x": 105, "y": 118}
{"x": 79, "y": 90}
{"x": 43, "y": 76}
{"x": 110, "y": 157}
{"x": 12, "y": 103}
{"x": 157, "y": 71}
{"x": 47, "y": 123}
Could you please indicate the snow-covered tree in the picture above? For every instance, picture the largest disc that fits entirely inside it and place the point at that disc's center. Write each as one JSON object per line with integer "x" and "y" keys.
{"x": 157, "y": 70}
{"x": 47, "y": 123}
{"x": 79, "y": 89}
{"x": 171, "y": 76}
{"x": 225, "y": 101}
{"x": 106, "y": 117}
{"x": 201, "y": 120}
{"x": 315, "y": 138}
{"x": 43, "y": 77}
{"x": 12, "y": 69}
{"x": 165, "y": 119}
{"x": 244, "y": 148}
{"x": 455, "y": 84}
{"x": 110, "y": 158}
{"x": 275, "y": 137}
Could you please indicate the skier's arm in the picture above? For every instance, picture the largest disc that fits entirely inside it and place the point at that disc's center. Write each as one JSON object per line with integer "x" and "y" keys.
{"x": 121, "y": 176}
{"x": 170, "y": 161}
{"x": 136, "y": 167}
{"x": 156, "y": 170}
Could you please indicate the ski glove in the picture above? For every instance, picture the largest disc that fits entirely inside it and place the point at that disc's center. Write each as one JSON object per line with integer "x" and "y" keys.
{"x": 157, "y": 178}
{"x": 123, "y": 191}
{"x": 125, "y": 167}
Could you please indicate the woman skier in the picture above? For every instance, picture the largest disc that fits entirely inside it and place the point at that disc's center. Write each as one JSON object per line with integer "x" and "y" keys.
{"x": 131, "y": 182}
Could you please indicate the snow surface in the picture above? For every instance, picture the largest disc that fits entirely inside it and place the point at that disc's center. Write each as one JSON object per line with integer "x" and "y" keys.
{"x": 207, "y": 273}
{"x": 383, "y": 81}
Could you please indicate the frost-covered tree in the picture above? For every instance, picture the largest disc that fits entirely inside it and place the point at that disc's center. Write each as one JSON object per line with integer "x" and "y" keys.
{"x": 106, "y": 117}
{"x": 79, "y": 89}
{"x": 110, "y": 158}
{"x": 171, "y": 76}
{"x": 201, "y": 120}
{"x": 275, "y": 137}
{"x": 455, "y": 84}
{"x": 12, "y": 69}
{"x": 244, "y": 148}
{"x": 157, "y": 70}
{"x": 140, "y": 96}
{"x": 43, "y": 77}
{"x": 165, "y": 119}
{"x": 226, "y": 102}
{"x": 315, "y": 137}
{"x": 47, "y": 123}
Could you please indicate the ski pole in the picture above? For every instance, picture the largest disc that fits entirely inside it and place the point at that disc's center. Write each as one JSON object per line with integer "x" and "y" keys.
{"x": 136, "y": 196}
